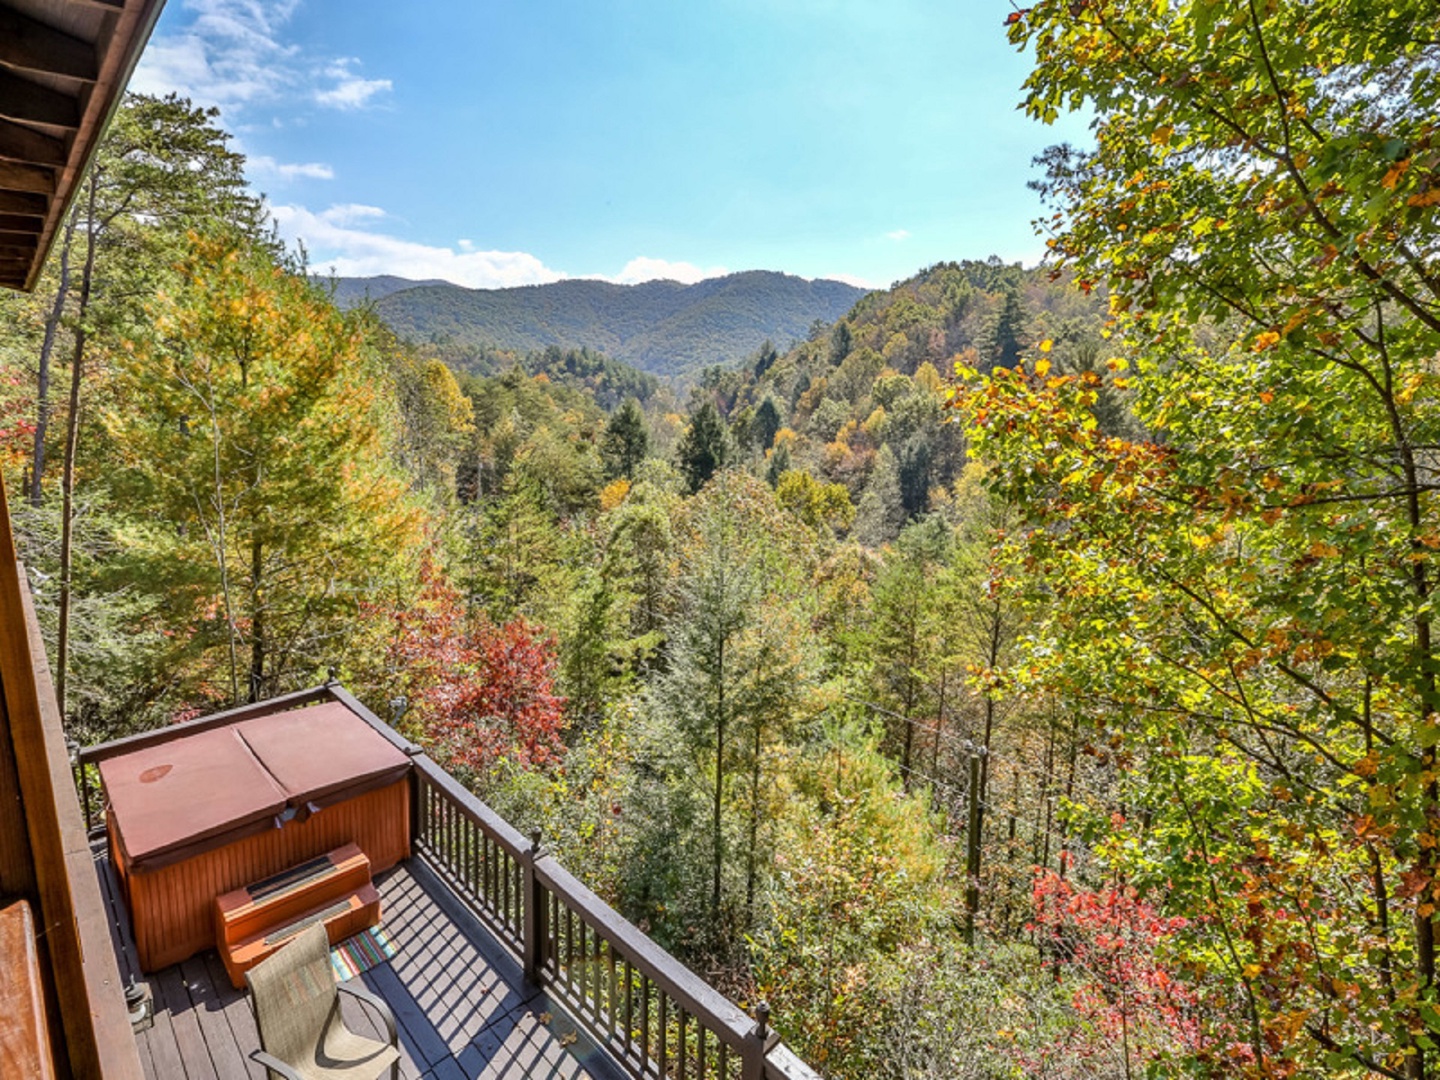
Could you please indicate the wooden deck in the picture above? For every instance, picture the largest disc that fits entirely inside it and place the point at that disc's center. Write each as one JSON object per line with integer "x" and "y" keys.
{"x": 462, "y": 1006}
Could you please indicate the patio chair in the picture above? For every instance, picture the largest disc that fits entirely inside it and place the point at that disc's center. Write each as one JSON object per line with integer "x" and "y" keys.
{"x": 297, "y": 1008}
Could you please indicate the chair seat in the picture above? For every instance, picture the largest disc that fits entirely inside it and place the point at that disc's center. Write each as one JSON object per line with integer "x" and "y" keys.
{"x": 343, "y": 1055}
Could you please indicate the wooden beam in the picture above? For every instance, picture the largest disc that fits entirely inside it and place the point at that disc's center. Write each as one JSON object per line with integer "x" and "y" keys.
{"x": 13, "y": 237}
{"x": 20, "y": 143}
{"x": 30, "y": 44}
{"x": 20, "y": 223}
{"x": 26, "y": 205}
{"x": 15, "y": 251}
{"x": 37, "y": 178}
{"x": 29, "y": 102}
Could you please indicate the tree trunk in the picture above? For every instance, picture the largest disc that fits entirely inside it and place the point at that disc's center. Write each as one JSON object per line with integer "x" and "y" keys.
{"x": 72, "y": 440}
{"x": 257, "y": 621}
{"x": 716, "y": 835}
{"x": 47, "y": 348}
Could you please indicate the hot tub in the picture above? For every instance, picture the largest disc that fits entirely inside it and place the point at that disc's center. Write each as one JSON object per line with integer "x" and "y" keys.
{"x": 200, "y": 814}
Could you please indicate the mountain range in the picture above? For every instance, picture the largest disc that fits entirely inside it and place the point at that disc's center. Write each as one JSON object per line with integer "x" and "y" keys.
{"x": 663, "y": 327}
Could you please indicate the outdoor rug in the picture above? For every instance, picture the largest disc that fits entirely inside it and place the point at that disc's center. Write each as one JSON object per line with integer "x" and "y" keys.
{"x": 360, "y": 953}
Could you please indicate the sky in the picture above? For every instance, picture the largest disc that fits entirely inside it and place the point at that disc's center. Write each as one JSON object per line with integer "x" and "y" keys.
{"x": 495, "y": 143}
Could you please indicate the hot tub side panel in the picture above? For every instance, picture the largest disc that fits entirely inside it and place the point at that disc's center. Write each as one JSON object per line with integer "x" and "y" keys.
{"x": 172, "y": 908}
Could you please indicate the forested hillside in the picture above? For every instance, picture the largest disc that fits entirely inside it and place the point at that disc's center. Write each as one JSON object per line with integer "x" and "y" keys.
{"x": 347, "y": 292}
{"x": 1030, "y": 672}
{"x": 662, "y": 327}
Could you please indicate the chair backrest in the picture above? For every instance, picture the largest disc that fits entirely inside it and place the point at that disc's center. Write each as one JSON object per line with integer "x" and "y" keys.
{"x": 294, "y": 991}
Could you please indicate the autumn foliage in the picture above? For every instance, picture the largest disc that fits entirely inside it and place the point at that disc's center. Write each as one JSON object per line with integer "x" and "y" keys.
{"x": 1108, "y": 943}
{"x": 480, "y": 691}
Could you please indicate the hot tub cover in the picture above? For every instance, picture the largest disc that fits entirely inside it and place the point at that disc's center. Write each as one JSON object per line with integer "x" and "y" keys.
{"x": 196, "y": 791}
{"x": 323, "y": 753}
{"x": 165, "y": 799}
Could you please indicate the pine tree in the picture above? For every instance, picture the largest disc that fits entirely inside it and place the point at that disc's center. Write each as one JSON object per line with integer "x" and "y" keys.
{"x": 704, "y": 449}
{"x": 626, "y": 441}
{"x": 766, "y": 423}
{"x": 1009, "y": 338}
{"x": 882, "y": 506}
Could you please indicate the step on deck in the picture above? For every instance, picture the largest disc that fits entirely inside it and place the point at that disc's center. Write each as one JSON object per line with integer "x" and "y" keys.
{"x": 253, "y": 921}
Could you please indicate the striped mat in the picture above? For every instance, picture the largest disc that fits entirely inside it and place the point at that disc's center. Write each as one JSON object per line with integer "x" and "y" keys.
{"x": 360, "y": 953}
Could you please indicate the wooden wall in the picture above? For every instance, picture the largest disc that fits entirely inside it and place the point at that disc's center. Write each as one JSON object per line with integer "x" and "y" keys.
{"x": 37, "y": 791}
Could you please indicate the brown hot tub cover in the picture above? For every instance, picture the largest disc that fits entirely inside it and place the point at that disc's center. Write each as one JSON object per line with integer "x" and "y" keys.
{"x": 170, "y": 799}
{"x": 323, "y": 754}
{"x": 197, "y": 791}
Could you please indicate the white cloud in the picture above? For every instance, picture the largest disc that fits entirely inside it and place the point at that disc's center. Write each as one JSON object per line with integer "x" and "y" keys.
{"x": 334, "y": 244}
{"x": 233, "y": 54}
{"x": 898, "y": 234}
{"x": 350, "y": 213}
{"x": 349, "y": 90}
{"x": 647, "y": 269}
{"x": 262, "y": 165}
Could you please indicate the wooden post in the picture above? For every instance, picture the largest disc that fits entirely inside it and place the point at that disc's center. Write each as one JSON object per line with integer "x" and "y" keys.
{"x": 752, "y": 1054}
{"x": 532, "y": 912}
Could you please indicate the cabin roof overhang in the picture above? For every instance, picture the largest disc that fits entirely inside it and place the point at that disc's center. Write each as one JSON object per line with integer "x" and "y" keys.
{"x": 63, "y": 67}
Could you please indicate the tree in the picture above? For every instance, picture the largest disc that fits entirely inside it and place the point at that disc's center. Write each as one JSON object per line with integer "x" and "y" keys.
{"x": 1243, "y": 592}
{"x": 1008, "y": 337}
{"x": 481, "y": 692}
{"x": 704, "y": 449}
{"x": 735, "y": 671}
{"x": 162, "y": 166}
{"x": 767, "y": 423}
{"x": 249, "y": 426}
{"x": 436, "y": 419}
{"x": 881, "y": 511}
{"x": 626, "y": 441}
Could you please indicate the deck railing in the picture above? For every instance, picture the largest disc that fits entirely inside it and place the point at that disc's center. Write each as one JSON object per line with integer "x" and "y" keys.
{"x": 652, "y": 1014}
{"x": 655, "y": 1017}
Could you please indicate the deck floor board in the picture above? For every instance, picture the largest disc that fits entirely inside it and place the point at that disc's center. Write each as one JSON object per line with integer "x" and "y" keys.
{"x": 463, "y": 1009}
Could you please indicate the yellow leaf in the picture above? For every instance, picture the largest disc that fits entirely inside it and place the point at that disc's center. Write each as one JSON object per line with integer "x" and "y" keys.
{"x": 1267, "y": 339}
{"x": 1425, "y": 198}
{"x": 1042, "y": 367}
{"x": 1046, "y": 345}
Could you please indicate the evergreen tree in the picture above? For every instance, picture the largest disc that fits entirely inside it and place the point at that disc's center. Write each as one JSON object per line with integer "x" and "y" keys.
{"x": 705, "y": 448}
{"x": 1008, "y": 337}
{"x": 626, "y": 441}
{"x": 882, "y": 507}
{"x": 766, "y": 423}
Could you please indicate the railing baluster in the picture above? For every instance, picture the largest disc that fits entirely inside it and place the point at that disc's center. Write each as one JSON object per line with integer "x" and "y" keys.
{"x": 681, "y": 1042}
{"x": 645, "y": 1018}
{"x": 629, "y": 1003}
{"x": 612, "y": 997}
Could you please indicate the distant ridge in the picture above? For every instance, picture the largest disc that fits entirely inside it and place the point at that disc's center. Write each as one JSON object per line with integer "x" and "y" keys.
{"x": 356, "y": 290}
{"x": 662, "y": 327}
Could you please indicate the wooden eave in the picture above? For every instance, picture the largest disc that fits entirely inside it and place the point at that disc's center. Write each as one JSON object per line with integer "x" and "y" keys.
{"x": 63, "y": 67}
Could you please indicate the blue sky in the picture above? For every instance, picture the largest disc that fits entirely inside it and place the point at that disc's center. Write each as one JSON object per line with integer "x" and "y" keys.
{"x": 511, "y": 142}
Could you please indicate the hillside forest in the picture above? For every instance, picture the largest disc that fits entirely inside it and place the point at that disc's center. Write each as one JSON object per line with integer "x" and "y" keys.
{"x": 1031, "y": 673}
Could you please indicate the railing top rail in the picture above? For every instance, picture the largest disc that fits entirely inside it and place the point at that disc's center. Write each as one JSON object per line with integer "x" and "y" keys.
{"x": 782, "y": 1064}
{"x": 693, "y": 994}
